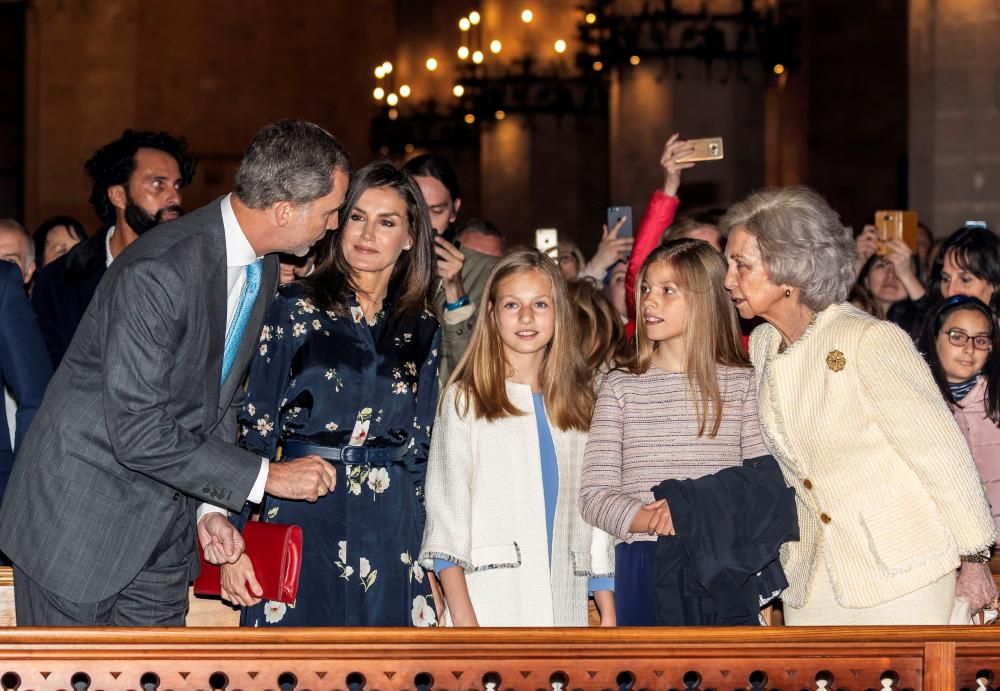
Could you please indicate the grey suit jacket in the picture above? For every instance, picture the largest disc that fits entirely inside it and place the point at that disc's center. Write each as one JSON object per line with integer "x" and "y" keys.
{"x": 134, "y": 420}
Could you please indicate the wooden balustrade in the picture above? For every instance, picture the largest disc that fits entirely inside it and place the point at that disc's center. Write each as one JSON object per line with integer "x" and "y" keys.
{"x": 793, "y": 659}
{"x": 730, "y": 659}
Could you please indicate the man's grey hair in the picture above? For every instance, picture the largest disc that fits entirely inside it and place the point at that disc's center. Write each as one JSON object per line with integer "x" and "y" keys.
{"x": 802, "y": 242}
{"x": 12, "y": 225}
{"x": 289, "y": 161}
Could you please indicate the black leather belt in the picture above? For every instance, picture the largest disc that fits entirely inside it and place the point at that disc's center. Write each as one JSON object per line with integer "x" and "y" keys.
{"x": 355, "y": 455}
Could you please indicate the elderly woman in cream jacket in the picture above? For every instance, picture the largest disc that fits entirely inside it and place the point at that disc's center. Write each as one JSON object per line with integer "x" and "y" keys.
{"x": 888, "y": 497}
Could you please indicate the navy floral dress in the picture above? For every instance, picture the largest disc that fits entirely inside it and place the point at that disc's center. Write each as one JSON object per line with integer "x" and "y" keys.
{"x": 330, "y": 380}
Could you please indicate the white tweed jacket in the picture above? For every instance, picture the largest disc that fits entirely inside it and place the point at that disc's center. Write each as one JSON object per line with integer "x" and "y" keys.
{"x": 486, "y": 513}
{"x": 884, "y": 481}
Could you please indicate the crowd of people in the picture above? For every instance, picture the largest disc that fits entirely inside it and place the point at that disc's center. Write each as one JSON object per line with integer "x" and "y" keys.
{"x": 734, "y": 406}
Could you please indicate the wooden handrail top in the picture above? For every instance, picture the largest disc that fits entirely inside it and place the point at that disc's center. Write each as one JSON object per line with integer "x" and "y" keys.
{"x": 536, "y": 637}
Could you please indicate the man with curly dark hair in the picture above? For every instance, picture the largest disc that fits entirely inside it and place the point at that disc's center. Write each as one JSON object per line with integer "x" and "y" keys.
{"x": 138, "y": 181}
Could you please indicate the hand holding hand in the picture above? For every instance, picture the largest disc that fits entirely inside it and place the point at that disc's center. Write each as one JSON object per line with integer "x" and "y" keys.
{"x": 309, "y": 478}
{"x": 239, "y": 583}
{"x": 675, "y": 148}
{"x": 220, "y": 540}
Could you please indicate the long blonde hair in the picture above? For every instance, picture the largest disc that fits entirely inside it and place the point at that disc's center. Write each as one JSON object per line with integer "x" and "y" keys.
{"x": 480, "y": 377}
{"x": 711, "y": 329}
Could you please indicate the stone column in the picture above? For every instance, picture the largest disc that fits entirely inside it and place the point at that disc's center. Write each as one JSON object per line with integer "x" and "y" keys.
{"x": 954, "y": 165}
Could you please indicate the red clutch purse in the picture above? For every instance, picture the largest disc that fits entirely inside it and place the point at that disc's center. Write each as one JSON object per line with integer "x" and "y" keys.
{"x": 275, "y": 550}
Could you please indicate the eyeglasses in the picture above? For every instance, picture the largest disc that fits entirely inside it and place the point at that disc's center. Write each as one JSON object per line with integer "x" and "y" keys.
{"x": 960, "y": 338}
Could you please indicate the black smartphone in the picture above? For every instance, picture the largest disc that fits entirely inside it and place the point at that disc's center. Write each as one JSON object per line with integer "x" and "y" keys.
{"x": 449, "y": 235}
{"x": 615, "y": 214}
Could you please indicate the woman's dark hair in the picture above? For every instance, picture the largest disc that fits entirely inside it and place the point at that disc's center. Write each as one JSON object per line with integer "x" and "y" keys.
{"x": 114, "y": 163}
{"x": 437, "y": 167}
{"x": 976, "y": 250}
{"x": 333, "y": 282}
{"x": 42, "y": 232}
{"x": 927, "y": 345}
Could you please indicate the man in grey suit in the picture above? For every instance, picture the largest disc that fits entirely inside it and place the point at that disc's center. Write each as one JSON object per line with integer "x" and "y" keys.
{"x": 138, "y": 424}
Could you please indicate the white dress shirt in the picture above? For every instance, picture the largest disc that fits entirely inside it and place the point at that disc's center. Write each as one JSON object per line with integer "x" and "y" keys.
{"x": 239, "y": 255}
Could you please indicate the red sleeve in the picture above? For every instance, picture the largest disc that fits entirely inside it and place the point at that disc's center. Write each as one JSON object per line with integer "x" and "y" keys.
{"x": 659, "y": 215}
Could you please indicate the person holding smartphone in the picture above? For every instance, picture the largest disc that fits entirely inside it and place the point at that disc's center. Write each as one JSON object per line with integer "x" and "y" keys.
{"x": 461, "y": 272}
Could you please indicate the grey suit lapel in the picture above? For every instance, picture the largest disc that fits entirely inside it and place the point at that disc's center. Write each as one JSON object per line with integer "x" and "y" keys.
{"x": 216, "y": 292}
{"x": 248, "y": 345}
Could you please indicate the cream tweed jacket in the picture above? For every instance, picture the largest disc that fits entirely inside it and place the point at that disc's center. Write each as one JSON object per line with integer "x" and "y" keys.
{"x": 884, "y": 481}
{"x": 486, "y": 513}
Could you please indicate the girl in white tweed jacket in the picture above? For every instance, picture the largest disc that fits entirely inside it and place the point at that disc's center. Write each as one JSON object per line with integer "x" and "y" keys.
{"x": 503, "y": 530}
{"x": 888, "y": 497}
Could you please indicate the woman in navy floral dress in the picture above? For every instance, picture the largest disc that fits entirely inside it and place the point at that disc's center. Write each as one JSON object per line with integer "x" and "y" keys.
{"x": 347, "y": 370}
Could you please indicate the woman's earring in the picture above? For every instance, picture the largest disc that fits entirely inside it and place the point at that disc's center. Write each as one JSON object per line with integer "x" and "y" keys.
{"x": 788, "y": 292}
{"x": 407, "y": 248}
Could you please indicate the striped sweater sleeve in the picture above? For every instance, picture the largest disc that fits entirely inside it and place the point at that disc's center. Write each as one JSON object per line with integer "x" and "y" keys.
{"x": 602, "y": 501}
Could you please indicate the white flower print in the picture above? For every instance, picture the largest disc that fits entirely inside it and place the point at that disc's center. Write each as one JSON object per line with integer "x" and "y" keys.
{"x": 423, "y": 614}
{"x": 378, "y": 480}
{"x": 400, "y": 387}
{"x": 418, "y": 572}
{"x": 298, "y": 329}
{"x": 397, "y": 373}
{"x": 274, "y": 611}
{"x": 264, "y": 426}
{"x": 407, "y": 338}
{"x": 345, "y": 570}
{"x": 367, "y": 574}
{"x": 331, "y": 375}
{"x": 279, "y": 332}
{"x": 358, "y": 314}
{"x": 266, "y": 333}
{"x": 305, "y": 305}
{"x": 316, "y": 325}
{"x": 272, "y": 512}
{"x": 263, "y": 349}
{"x": 406, "y": 558}
{"x": 411, "y": 368}
{"x": 251, "y": 409}
{"x": 331, "y": 426}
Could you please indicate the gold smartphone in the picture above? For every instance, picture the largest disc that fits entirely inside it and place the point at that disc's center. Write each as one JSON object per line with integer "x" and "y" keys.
{"x": 709, "y": 149}
{"x": 896, "y": 225}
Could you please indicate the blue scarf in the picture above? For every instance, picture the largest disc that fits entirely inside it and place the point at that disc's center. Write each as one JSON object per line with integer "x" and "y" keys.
{"x": 962, "y": 389}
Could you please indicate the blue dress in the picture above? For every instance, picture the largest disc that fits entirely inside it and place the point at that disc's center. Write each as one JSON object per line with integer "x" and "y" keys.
{"x": 329, "y": 380}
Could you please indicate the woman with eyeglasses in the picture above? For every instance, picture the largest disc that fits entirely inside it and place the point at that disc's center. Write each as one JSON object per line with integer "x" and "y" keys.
{"x": 959, "y": 341}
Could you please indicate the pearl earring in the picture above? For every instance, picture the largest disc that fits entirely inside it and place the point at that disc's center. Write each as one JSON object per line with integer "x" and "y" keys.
{"x": 788, "y": 292}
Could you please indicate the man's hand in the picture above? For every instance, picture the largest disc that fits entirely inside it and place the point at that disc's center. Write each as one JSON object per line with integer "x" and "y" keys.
{"x": 239, "y": 583}
{"x": 220, "y": 540}
{"x": 450, "y": 261}
{"x": 653, "y": 519}
{"x": 674, "y": 149}
{"x": 309, "y": 478}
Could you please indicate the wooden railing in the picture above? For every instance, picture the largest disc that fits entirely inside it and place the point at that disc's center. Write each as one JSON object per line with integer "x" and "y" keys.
{"x": 778, "y": 658}
{"x": 796, "y": 659}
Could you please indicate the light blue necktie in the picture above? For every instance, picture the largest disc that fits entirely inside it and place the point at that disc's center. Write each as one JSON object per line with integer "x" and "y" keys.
{"x": 247, "y": 298}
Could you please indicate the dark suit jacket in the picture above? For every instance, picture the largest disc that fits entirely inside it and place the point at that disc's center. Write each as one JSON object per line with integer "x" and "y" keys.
{"x": 24, "y": 366}
{"x": 134, "y": 419}
{"x": 63, "y": 290}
